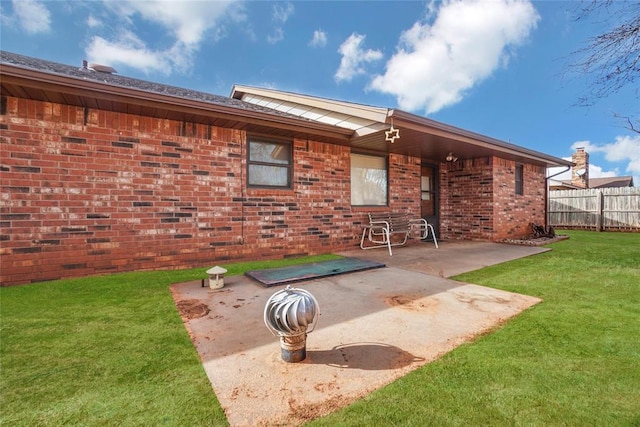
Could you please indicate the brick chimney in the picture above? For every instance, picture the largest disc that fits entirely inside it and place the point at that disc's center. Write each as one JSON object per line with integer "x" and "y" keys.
{"x": 580, "y": 169}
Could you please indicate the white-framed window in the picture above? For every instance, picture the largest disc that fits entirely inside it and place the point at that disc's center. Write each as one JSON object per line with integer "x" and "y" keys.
{"x": 269, "y": 163}
{"x": 369, "y": 182}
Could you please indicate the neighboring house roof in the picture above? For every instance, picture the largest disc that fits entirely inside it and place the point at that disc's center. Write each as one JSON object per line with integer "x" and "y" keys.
{"x": 611, "y": 182}
{"x": 255, "y": 110}
{"x": 562, "y": 185}
{"x": 419, "y": 136}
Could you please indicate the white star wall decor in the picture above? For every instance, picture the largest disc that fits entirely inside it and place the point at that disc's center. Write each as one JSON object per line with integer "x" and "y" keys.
{"x": 392, "y": 134}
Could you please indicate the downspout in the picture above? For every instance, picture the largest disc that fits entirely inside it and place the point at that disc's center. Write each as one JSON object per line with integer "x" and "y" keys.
{"x": 243, "y": 190}
{"x": 546, "y": 194}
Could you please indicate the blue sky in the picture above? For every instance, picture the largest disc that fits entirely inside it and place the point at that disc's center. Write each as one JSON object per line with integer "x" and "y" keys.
{"x": 497, "y": 67}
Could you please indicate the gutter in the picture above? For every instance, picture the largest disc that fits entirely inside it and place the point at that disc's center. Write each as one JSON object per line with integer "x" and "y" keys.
{"x": 437, "y": 128}
{"x": 546, "y": 193}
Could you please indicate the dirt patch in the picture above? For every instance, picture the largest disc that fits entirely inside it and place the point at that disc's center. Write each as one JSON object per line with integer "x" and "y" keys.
{"x": 304, "y": 412}
{"x": 411, "y": 302}
{"x": 301, "y": 412}
{"x": 192, "y": 309}
{"x": 324, "y": 387}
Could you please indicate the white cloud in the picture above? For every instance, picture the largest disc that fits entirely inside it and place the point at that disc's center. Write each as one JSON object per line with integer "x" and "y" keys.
{"x": 437, "y": 63}
{"x": 279, "y": 16}
{"x": 282, "y": 13}
{"x": 276, "y": 36}
{"x": 93, "y": 22}
{"x": 624, "y": 149}
{"x": 186, "y": 23}
{"x": 32, "y": 15}
{"x": 128, "y": 50}
{"x": 319, "y": 39}
{"x": 595, "y": 171}
{"x": 353, "y": 57}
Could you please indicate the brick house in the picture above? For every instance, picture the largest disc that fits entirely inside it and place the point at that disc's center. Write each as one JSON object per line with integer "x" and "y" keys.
{"x": 103, "y": 173}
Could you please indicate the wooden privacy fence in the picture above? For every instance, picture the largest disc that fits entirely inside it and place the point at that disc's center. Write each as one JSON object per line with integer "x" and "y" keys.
{"x": 613, "y": 209}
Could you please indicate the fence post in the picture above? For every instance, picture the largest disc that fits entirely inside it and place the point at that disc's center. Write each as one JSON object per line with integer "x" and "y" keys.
{"x": 600, "y": 207}
{"x": 586, "y": 208}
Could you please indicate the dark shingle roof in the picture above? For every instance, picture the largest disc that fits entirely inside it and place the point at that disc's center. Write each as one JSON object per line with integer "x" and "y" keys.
{"x": 608, "y": 182}
{"x": 615, "y": 181}
{"x": 79, "y": 72}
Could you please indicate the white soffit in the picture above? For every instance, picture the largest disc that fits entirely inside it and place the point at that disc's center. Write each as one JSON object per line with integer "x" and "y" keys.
{"x": 362, "y": 119}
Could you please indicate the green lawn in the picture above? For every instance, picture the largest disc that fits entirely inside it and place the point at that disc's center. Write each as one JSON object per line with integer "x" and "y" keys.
{"x": 572, "y": 360}
{"x": 112, "y": 350}
{"x": 109, "y": 350}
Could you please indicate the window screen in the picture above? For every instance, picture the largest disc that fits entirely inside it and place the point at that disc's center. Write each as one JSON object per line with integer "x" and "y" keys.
{"x": 368, "y": 180}
{"x": 269, "y": 164}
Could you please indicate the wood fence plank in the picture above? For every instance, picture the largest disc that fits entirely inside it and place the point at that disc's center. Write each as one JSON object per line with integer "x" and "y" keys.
{"x": 599, "y": 209}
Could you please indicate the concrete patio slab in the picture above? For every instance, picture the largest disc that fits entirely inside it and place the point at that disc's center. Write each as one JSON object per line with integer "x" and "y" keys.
{"x": 374, "y": 327}
{"x": 452, "y": 258}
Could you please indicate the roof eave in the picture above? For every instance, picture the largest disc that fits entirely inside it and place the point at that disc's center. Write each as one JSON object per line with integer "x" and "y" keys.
{"x": 84, "y": 87}
{"x": 404, "y": 119}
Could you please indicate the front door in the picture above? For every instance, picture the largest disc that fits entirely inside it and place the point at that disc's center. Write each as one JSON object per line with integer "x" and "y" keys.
{"x": 429, "y": 195}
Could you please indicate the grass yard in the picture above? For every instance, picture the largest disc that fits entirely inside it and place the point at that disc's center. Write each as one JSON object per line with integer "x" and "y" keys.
{"x": 572, "y": 360}
{"x": 112, "y": 350}
{"x": 109, "y": 350}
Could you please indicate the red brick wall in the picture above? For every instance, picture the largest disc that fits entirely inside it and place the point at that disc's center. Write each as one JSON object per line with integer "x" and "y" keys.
{"x": 404, "y": 188}
{"x": 466, "y": 199}
{"x": 512, "y": 212}
{"x": 92, "y": 192}
{"x": 478, "y": 199}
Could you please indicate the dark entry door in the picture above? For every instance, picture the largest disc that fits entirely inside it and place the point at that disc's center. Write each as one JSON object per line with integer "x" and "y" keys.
{"x": 429, "y": 195}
